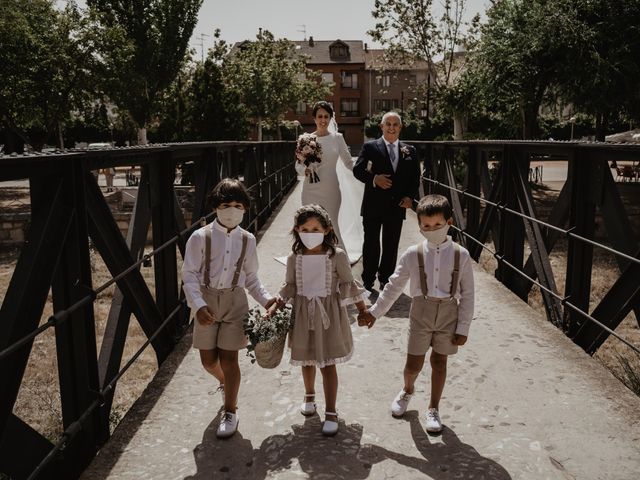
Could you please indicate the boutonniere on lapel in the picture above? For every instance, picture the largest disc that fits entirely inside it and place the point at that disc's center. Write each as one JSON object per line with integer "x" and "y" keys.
{"x": 404, "y": 150}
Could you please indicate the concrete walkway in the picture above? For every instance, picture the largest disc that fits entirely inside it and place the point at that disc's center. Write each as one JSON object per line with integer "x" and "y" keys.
{"x": 521, "y": 402}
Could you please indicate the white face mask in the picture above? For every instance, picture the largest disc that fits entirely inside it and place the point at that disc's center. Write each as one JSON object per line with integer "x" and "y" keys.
{"x": 436, "y": 236}
{"x": 311, "y": 239}
{"x": 230, "y": 217}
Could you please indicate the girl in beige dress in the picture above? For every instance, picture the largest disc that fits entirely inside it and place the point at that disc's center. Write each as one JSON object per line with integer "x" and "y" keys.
{"x": 319, "y": 285}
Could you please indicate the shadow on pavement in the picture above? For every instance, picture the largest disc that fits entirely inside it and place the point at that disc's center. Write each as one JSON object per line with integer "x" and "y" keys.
{"x": 450, "y": 458}
{"x": 342, "y": 457}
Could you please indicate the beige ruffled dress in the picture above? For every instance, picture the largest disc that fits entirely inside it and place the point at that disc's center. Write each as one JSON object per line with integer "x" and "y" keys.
{"x": 320, "y": 287}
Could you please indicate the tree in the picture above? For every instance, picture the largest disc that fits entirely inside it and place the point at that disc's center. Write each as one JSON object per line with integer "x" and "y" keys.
{"x": 214, "y": 109}
{"x": 270, "y": 78}
{"x": 410, "y": 30}
{"x": 520, "y": 56}
{"x": 602, "y": 74}
{"x": 157, "y": 34}
{"x": 46, "y": 69}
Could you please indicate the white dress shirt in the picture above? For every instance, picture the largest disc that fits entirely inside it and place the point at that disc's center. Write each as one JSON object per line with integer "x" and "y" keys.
{"x": 225, "y": 253}
{"x": 438, "y": 268}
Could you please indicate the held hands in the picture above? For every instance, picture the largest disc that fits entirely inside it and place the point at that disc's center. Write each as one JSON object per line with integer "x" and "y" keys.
{"x": 459, "y": 339}
{"x": 382, "y": 181}
{"x": 205, "y": 316}
{"x": 273, "y": 306}
{"x": 365, "y": 319}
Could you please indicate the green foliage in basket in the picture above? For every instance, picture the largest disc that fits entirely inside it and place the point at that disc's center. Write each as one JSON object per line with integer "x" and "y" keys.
{"x": 261, "y": 329}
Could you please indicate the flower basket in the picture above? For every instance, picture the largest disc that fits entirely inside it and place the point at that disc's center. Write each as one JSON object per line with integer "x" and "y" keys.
{"x": 267, "y": 336}
{"x": 269, "y": 354}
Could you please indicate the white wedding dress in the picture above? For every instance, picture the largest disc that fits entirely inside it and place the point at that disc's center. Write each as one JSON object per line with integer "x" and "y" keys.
{"x": 338, "y": 192}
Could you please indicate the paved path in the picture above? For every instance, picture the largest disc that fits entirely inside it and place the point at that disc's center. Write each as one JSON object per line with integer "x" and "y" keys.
{"x": 521, "y": 402}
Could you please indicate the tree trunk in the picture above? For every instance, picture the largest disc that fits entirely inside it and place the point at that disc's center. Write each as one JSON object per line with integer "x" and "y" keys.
{"x": 529, "y": 122}
{"x": 602, "y": 123}
{"x": 142, "y": 136}
{"x": 460, "y": 122}
{"x": 60, "y": 138}
{"x": 259, "y": 128}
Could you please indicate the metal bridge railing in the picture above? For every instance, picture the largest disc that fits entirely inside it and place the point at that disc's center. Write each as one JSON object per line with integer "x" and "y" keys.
{"x": 68, "y": 208}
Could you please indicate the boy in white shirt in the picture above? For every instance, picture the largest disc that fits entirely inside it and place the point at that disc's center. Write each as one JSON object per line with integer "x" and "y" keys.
{"x": 442, "y": 291}
{"x": 220, "y": 262}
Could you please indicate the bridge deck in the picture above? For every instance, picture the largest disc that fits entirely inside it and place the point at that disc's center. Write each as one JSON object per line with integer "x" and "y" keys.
{"x": 521, "y": 402}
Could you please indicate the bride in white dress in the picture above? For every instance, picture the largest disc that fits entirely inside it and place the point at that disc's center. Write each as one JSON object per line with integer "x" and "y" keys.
{"x": 337, "y": 191}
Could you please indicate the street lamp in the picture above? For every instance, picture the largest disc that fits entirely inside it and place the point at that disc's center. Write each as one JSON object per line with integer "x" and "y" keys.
{"x": 573, "y": 121}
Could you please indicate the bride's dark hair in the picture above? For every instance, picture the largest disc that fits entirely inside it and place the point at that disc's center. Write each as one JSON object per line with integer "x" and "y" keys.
{"x": 322, "y": 105}
{"x": 303, "y": 214}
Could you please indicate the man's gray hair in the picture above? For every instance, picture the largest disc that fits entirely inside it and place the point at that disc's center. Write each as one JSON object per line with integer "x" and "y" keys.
{"x": 391, "y": 114}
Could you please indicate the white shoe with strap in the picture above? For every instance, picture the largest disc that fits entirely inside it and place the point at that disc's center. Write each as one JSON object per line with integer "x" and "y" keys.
{"x": 308, "y": 408}
{"x": 400, "y": 403}
{"x": 330, "y": 427}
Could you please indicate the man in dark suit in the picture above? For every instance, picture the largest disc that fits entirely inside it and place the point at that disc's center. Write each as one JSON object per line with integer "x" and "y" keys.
{"x": 390, "y": 172}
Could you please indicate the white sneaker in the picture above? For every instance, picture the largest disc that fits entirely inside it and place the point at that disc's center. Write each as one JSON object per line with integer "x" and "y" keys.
{"x": 228, "y": 425}
{"x": 308, "y": 408}
{"x": 434, "y": 425}
{"x": 330, "y": 427}
{"x": 400, "y": 403}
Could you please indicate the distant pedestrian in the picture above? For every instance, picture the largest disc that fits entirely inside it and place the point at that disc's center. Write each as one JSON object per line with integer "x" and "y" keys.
{"x": 109, "y": 173}
{"x": 220, "y": 262}
{"x": 442, "y": 291}
{"x": 319, "y": 284}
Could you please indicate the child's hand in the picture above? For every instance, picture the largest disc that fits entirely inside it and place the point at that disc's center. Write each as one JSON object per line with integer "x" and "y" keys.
{"x": 205, "y": 316}
{"x": 459, "y": 339}
{"x": 366, "y": 319}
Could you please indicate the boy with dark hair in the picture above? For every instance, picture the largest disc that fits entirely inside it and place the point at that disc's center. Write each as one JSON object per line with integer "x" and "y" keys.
{"x": 220, "y": 263}
{"x": 442, "y": 291}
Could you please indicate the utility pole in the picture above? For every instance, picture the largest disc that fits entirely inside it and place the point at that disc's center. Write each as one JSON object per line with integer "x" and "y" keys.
{"x": 303, "y": 30}
{"x": 201, "y": 43}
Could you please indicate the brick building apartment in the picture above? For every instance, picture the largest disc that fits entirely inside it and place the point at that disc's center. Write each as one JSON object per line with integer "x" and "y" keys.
{"x": 365, "y": 84}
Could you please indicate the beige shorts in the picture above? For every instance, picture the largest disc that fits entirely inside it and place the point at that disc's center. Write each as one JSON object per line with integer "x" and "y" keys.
{"x": 229, "y": 307}
{"x": 432, "y": 323}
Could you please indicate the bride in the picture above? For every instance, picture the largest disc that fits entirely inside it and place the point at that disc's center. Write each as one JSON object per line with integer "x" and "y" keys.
{"x": 328, "y": 191}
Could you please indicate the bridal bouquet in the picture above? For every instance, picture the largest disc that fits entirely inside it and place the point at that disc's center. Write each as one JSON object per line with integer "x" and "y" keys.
{"x": 308, "y": 152}
{"x": 267, "y": 335}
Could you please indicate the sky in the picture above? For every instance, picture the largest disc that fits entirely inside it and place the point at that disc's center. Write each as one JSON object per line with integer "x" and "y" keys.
{"x": 323, "y": 19}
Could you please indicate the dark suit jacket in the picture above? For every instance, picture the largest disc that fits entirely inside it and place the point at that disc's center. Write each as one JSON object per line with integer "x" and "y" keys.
{"x": 377, "y": 202}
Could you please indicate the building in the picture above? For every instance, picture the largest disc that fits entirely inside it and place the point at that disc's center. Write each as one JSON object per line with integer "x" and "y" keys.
{"x": 395, "y": 86}
{"x": 342, "y": 64}
{"x": 365, "y": 84}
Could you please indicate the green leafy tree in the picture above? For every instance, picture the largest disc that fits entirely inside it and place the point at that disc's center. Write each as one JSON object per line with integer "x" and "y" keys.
{"x": 199, "y": 106}
{"x": 157, "y": 34}
{"x": 520, "y": 55}
{"x": 47, "y": 62}
{"x": 411, "y": 30}
{"x": 270, "y": 78}
{"x": 602, "y": 73}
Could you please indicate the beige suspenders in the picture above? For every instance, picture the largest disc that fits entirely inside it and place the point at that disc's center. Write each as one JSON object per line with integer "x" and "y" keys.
{"x": 455, "y": 275}
{"x": 207, "y": 258}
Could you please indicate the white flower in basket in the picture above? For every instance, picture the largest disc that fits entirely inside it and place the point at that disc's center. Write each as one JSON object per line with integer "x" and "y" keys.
{"x": 267, "y": 335}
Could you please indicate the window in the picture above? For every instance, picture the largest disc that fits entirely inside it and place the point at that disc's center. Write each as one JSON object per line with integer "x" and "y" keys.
{"x": 385, "y": 104}
{"x": 349, "y": 79}
{"x": 349, "y": 107}
{"x": 338, "y": 51}
{"x": 301, "y": 108}
{"x": 383, "y": 80}
{"x": 412, "y": 79}
{"x": 327, "y": 78}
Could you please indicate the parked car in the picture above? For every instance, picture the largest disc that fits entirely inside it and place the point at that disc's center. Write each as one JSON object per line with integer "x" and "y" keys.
{"x": 99, "y": 146}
